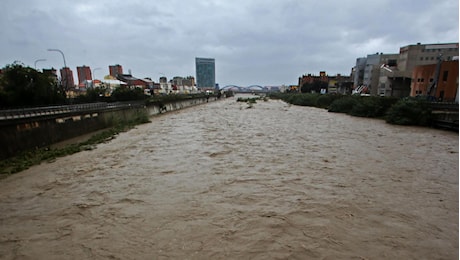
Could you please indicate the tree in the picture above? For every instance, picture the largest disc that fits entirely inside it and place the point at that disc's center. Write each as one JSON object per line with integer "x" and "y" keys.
{"x": 126, "y": 93}
{"x": 24, "y": 86}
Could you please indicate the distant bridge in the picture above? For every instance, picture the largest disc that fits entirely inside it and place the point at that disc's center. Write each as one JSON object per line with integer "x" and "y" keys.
{"x": 252, "y": 88}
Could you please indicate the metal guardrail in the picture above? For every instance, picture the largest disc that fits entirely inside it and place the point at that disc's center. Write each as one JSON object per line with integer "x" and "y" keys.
{"x": 447, "y": 106}
{"x": 9, "y": 114}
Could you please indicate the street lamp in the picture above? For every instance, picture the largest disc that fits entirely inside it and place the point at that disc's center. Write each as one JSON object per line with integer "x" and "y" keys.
{"x": 63, "y": 57}
{"x": 94, "y": 76}
{"x": 35, "y": 63}
{"x": 65, "y": 65}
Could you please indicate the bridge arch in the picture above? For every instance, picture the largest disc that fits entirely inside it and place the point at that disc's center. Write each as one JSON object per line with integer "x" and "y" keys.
{"x": 251, "y": 88}
{"x": 230, "y": 87}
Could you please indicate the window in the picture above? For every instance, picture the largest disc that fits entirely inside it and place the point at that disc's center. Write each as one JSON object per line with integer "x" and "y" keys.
{"x": 392, "y": 63}
{"x": 445, "y": 75}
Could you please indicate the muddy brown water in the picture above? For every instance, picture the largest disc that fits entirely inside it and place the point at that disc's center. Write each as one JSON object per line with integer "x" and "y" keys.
{"x": 221, "y": 181}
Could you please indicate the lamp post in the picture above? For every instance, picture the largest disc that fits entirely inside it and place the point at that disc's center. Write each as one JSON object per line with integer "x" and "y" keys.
{"x": 35, "y": 63}
{"x": 65, "y": 65}
{"x": 94, "y": 76}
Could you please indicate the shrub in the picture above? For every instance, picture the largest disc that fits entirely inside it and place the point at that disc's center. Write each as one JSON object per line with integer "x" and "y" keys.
{"x": 127, "y": 94}
{"x": 368, "y": 107}
{"x": 343, "y": 105}
{"x": 323, "y": 101}
{"x": 305, "y": 99}
{"x": 362, "y": 106}
{"x": 409, "y": 111}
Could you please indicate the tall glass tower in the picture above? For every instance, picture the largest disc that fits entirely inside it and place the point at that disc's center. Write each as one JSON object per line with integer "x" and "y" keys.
{"x": 205, "y": 73}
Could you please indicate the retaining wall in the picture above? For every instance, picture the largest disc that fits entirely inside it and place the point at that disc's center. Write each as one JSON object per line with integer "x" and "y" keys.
{"x": 20, "y": 134}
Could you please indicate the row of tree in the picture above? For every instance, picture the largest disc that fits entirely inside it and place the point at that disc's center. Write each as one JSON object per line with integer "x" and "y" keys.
{"x": 22, "y": 86}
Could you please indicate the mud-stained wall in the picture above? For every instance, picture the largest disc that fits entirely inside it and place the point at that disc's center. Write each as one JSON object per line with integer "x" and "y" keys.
{"x": 28, "y": 133}
{"x": 167, "y": 107}
{"x": 36, "y": 132}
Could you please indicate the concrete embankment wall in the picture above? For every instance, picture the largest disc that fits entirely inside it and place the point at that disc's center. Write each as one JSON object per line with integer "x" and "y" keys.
{"x": 20, "y": 134}
{"x": 167, "y": 107}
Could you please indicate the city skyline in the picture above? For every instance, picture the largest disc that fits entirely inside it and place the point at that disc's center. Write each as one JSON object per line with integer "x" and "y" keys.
{"x": 255, "y": 42}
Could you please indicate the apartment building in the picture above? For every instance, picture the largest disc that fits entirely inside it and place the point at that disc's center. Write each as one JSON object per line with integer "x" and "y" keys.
{"x": 115, "y": 70}
{"x": 84, "y": 74}
{"x": 67, "y": 78}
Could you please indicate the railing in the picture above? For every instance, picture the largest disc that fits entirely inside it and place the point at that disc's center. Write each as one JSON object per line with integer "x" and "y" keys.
{"x": 9, "y": 114}
{"x": 448, "y": 106}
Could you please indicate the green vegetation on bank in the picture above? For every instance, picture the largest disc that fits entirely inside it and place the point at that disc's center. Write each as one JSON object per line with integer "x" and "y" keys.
{"x": 406, "y": 111}
{"x": 36, "y": 156}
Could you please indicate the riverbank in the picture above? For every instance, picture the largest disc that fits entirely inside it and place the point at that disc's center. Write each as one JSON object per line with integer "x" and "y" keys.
{"x": 405, "y": 111}
{"x": 88, "y": 140}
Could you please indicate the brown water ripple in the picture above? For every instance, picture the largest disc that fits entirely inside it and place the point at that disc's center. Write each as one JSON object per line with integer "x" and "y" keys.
{"x": 222, "y": 181}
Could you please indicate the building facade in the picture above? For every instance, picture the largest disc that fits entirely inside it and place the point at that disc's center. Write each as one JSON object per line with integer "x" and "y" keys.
{"x": 441, "y": 87}
{"x": 358, "y": 72}
{"x": 411, "y": 56}
{"x": 67, "y": 78}
{"x": 323, "y": 83}
{"x": 115, "y": 70}
{"x": 84, "y": 74}
{"x": 205, "y": 73}
{"x": 181, "y": 81}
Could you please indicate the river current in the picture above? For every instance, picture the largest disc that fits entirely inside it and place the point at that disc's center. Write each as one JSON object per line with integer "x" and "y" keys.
{"x": 226, "y": 181}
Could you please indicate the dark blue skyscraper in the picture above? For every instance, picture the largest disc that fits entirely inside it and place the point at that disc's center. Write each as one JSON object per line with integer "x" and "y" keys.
{"x": 205, "y": 73}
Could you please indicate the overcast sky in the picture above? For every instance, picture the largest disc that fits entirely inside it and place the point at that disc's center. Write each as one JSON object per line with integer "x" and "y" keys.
{"x": 257, "y": 42}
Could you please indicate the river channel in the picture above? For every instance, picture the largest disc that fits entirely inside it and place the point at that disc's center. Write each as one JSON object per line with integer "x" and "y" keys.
{"x": 224, "y": 181}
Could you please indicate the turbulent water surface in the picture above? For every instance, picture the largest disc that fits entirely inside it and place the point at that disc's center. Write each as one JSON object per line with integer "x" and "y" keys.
{"x": 222, "y": 181}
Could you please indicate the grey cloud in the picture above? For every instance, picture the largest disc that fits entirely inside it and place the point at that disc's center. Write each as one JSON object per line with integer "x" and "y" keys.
{"x": 253, "y": 42}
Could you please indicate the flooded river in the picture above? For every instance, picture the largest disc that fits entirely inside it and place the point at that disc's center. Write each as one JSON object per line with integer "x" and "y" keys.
{"x": 223, "y": 181}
